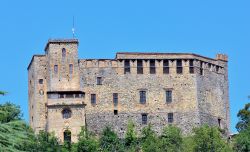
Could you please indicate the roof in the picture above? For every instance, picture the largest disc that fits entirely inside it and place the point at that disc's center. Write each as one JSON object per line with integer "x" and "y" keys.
{"x": 51, "y": 41}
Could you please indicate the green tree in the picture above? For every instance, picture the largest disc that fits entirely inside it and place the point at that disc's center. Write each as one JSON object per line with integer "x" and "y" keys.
{"x": 171, "y": 139}
{"x": 130, "y": 136}
{"x": 2, "y": 93}
{"x": 109, "y": 140}
{"x": 209, "y": 139}
{"x": 244, "y": 116}
{"x": 150, "y": 141}
{"x": 87, "y": 142}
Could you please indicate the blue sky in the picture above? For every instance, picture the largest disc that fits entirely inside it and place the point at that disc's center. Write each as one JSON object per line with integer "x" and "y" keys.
{"x": 105, "y": 27}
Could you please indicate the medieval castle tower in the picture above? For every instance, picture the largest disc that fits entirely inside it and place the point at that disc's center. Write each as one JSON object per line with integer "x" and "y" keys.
{"x": 66, "y": 93}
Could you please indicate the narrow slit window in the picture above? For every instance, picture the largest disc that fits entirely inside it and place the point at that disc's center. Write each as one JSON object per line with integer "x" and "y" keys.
{"x": 179, "y": 67}
{"x": 55, "y": 69}
{"x": 144, "y": 119}
{"x": 170, "y": 117}
{"x": 152, "y": 67}
{"x": 168, "y": 96}
{"x": 201, "y": 68}
{"x": 126, "y": 66}
{"x": 63, "y": 52}
{"x": 142, "y": 97}
{"x": 139, "y": 67}
{"x": 71, "y": 69}
{"x": 191, "y": 66}
{"x": 115, "y": 99}
{"x": 165, "y": 67}
{"x": 99, "y": 80}
{"x": 93, "y": 99}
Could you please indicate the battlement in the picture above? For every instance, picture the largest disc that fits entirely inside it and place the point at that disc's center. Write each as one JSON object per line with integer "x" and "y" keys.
{"x": 222, "y": 57}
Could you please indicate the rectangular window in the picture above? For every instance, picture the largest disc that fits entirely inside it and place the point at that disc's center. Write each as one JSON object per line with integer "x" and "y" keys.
{"x": 144, "y": 119}
{"x": 191, "y": 66}
{"x": 152, "y": 67}
{"x": 69, "y": 95}
{"x": 61, "y": 95}
{"x": 139, "y": 67}
{"x": 201, "y": 68}
{"x": 55, "y": 69}
{"x": 99, "y": 80}
{"x": 93, "y": 99}
{"x": 71, "y": 69}
{"x": 170, "y": 117}
{"x": 115, "y": 99}
{"x": 165, "y": 67}
{"x": 40, "y": 81}
{"x": 142, "y": 97}
{"x": 126, "y": 66}
{"x": 115, "y": 112}
{"x": 168, "y": 96}
{"x": 179, "y": 67}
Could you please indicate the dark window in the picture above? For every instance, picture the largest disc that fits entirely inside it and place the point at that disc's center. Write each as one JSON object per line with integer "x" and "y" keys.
{"x": 115, "y": 112}
{"x": 40, "y": 81}
{"x": 201, "y": 68}
{"x": 191, "y": 66}
{"x": 61, "y": 95}
{"x": 67, "y": 136}
{"x": 219, "y": 122}
{"x": 66, "y": 113}
{"x": 217, "y": 69}
{"x": 71, "y": 69}
{"x": 170, "y": 117}
{"x": 142, "y": 97}
{"x": 99, "y": 80}
{"x": 144, "y": 119}
{"x": 152, "y": 67}
{"x": 139, "y": 67}
{"x": 168, "y": 96}
{"x": 127, "y": 66}
{"x": 63, "y": 52}
{"x": 93, "y": 99}
{"x": 179, "y": 67}
{"x": 55, "y": 69}
{"x": 115, "y": 99}
{"x": 69, "y": 95}
{"x": 165, "y": 67}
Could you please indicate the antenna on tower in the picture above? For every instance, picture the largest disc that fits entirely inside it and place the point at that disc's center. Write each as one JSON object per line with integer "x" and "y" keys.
{"x": 73, "y": 28}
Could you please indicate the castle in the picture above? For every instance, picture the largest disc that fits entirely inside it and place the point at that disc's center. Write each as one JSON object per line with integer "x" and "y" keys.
{"x": 184, "y": 89}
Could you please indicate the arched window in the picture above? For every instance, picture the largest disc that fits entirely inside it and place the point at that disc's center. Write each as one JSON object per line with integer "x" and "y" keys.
{"x": 66, "y": 113}
{"x": 67, "y": 136}
{"x": 63, "y": 52}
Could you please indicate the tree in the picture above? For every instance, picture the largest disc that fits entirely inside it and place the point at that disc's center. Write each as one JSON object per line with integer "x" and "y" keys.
{"x": 150, "y": 141}
{"x": 109, "y": 140}
{"x": 86, "y": 142}
{"x": 9, "y": 112}
{"x": 171, "y": 139}
{"x": 244, "y": 116}
{"x": 130, "y": 136}
{"x": 2, "y": 93}
{"x": 242, "y": 141}
{"x": 209, "y": 139}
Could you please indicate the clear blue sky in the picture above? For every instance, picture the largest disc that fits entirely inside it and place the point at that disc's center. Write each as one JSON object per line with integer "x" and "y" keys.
{"x": 106, "y": 26}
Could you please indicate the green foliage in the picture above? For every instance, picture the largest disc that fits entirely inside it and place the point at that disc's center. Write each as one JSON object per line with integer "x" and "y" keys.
{"x": 9, "y": 112}
{"x": 150, "y": 141}
{"x": 209, "y": 139}
{"x": 109, "y": 140}
{"x": 242, "y": 141}
{"x": 171, "y": 139}
{"x": 3, "y": 93}
{"x": 86, "y": 142}
{"x": 244, "y": 116}
{"x": 130, "y": 136}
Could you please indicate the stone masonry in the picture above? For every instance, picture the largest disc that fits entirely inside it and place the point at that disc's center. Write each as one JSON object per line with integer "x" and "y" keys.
{"x": 66, "y": 93}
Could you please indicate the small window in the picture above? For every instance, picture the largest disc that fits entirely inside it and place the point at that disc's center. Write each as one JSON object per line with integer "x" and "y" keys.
{"x": 219, "y": 122}
{"x": 201, "y": 68}
{"x": 70, "y": 68}
{"x": 165, "y": 67}
{"x": 40, "y": 81}
{"x": 144, "y": 119}
{"x": 99, "y": 80}
{"x": 142, "y": 97}
{"x": 170, "y": 117}
{"x": 66, "y": 113}
{"x": 217, "y": 69}
{"x": 93, "y": 99}
{"x": 41, "y": 92}
{"x": 152, "y": 67}
{"x": 179, "y": 67}
{"x": 191, "y": 66}
{"x": 139, "y": 67}
{"x": 69, "y": 95}
{"x": 61, "y": 95}
{"x": 115, "y": 99}
{"x": 67, "y": 136}
{"x": 168, "y": 96}
{"x": 63, "y": 52}
{"x": 56, "y": 69}
{"x": 126, "y": 66}
{"x": 115, "y": 112}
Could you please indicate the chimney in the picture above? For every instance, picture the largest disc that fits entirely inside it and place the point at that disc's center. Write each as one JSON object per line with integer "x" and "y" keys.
{"x": 222, "y": 57}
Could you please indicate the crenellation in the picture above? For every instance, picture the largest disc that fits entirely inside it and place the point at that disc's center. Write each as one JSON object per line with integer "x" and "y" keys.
{"x": 184, "y": 89}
